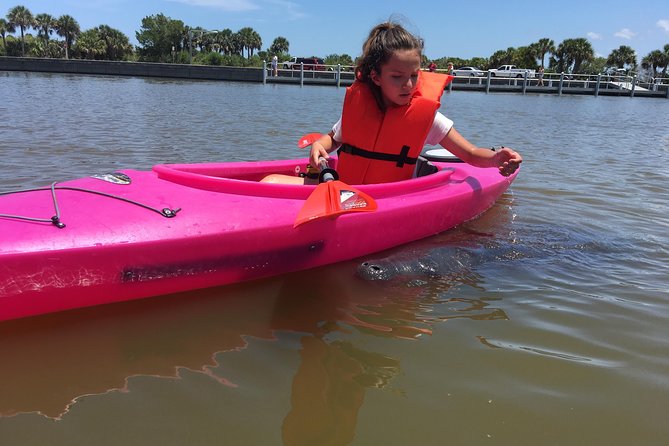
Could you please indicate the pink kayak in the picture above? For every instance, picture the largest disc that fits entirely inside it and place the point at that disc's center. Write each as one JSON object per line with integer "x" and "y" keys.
{"x": 179, "y": 227}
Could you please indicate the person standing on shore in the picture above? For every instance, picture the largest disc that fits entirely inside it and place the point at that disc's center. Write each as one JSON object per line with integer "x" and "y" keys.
{"x": 275, "y": 66}
{"x": 540, "y": 76}
{"x": 391, "y": 111}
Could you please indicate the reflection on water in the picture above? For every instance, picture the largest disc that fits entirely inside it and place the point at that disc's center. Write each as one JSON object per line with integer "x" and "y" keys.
{"x": 58, "y": 359}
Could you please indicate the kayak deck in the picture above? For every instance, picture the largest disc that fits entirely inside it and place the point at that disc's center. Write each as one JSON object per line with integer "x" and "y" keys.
{"x": 227, "y": 227}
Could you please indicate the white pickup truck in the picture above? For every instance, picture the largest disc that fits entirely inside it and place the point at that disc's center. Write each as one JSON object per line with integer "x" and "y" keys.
{"x": 511, "y": 71}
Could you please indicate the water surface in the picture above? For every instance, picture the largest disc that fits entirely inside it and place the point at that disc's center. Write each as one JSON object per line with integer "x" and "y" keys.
{"x": 556, "y": 335}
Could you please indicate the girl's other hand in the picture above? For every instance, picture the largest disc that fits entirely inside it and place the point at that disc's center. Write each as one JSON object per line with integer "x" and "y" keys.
{"x": 507, "y": 160}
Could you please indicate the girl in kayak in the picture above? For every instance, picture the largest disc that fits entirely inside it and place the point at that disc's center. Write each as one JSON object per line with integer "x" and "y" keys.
{"x": 391, "y": 111}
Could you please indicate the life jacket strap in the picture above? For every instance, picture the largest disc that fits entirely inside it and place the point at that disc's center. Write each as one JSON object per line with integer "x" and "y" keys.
{"x": 400, "y": 159}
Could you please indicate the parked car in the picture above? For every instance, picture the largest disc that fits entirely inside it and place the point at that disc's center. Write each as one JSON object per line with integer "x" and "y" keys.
{"x": 511, "y": 71}
{"x": 467, "y": 71}
{"x": 310, "y": 63}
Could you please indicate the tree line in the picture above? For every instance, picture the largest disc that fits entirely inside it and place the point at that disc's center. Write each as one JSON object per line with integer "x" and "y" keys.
{"x": 570, "y": 56}
{"x": 163, "y": 39}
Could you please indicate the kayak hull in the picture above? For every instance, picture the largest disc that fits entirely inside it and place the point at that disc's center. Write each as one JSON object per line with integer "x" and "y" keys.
{"x": 182, "y": 227}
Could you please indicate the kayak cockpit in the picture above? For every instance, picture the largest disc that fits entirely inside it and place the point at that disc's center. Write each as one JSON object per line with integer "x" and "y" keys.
{"x": 244, "y": 178}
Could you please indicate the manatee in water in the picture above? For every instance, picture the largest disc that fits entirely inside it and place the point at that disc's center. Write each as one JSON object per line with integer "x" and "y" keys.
{"x": 437, "y": 262}
{"x": 541, "y": 243}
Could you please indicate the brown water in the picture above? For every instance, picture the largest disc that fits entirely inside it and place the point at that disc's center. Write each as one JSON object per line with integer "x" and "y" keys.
{"x": 556, "y": 333}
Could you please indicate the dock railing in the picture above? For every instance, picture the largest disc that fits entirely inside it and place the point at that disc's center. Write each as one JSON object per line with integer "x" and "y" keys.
{"x": 310, "y": 74}
{"x": 565, "y": 83}
{"x": 553, "y": 83}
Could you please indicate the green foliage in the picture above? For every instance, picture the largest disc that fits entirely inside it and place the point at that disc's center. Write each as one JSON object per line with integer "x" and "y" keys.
{"x": 158, "y": 35}
{"x": 209, "y": 58}
{"x": 571, "y": 54}
{"x": 227, "y": 60}
{"x": 103, "y": 43}
{"x": 595, "y": 66}
{"x": 479, "y": 62}
{"x": 90, "y": 45}
{"x": 279, "y": 46}
{"x": 37, "y": 47}
{"x": 341, "y": 59}
{"x": 13, "y": 47}
{"x": 68, "y": 28}
{"x": 249, "y": 40}
{"x": 655, "y": 60}
{"x": 20, "y": 18}
{"x": 624, "y": 55}
{"x": 502, "y": 57}
{"x": 526, "y": 57}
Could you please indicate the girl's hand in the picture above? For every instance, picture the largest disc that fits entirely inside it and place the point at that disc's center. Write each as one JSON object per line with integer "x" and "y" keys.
{"x": 317, "y": 151}
{"x": 507, "y": 160}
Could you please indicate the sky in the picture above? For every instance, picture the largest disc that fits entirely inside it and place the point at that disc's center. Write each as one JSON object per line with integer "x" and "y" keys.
{"x": 458, "y": 28}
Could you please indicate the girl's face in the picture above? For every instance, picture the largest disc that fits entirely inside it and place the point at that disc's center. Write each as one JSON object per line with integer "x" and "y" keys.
{"x": 398, "y": 77}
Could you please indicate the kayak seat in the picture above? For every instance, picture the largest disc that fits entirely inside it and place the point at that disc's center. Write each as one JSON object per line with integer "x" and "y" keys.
{"x": 424, "y": 167}
{"x": 279, "y": 178}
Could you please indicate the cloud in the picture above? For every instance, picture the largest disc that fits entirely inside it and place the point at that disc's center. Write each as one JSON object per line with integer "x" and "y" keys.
{"x": 664, "y": 24}
{"x": 288, "y": 9}
{"x": 225, "y": 5}
{"x": 625, "y": 33}
{"x": 594, "y": 36}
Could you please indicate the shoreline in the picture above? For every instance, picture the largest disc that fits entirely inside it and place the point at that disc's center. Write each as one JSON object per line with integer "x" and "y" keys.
{"x": 559, "y": 85}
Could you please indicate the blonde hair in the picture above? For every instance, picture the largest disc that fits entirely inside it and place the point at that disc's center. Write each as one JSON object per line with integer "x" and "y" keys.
{"x": 383, "y": 40}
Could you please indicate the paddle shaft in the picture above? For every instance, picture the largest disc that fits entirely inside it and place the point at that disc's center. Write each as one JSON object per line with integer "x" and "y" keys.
{"x": 327, "y": 174}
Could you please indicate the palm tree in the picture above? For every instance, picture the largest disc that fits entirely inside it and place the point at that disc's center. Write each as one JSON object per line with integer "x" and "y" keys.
{"x": 90, "y": 44}
{"x": 622, "y": 56}
{"x": 20, "y": 16}
{"x": 655, "y": 60}
{"x": 544, "y": 46}
{"x": 249, "y": 40}
{"x": 44, "y": 23}
{"x": 5, "y": 27}
{"x": 256, "y": 43}
{"x": 279, "y": 46}
{"x": 117, "y": 44}
{"x": 223, "y": 41}
{"x": 237, "y": 44}
{"x": 502, "y": 57}
{"x": 68, "y": 28}
{"x": 574, "y": 51}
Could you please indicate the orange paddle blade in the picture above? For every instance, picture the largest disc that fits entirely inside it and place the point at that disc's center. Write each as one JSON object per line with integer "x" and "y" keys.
{"x": 332, "y": 199}
{"x": 308, "y": 139}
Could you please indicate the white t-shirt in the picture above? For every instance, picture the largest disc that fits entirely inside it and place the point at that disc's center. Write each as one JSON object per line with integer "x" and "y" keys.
{"x": 440, "y": 128}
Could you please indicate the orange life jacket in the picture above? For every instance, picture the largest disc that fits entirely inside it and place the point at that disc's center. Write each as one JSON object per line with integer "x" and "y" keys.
{"x": 380, "y": 147}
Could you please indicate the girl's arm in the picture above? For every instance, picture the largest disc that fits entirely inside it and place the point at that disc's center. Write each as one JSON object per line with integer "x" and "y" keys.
{"x": 505, "y": 159}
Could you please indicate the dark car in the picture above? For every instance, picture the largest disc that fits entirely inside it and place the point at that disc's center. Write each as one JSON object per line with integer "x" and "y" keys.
{"x": 310, "y": 63}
